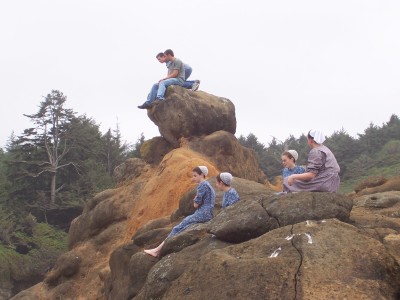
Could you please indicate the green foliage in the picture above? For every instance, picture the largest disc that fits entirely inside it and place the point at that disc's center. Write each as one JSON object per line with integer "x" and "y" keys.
{"x": 345, "y": 149}
{"x": 45, "y": 243}
{"x": 385, "y": 162}
{"x": 8, "y": 259}
{"x": 261, "y": 152}
{"x": 7, "y": 224}
{"x": 82, "y": 159}
{"x": 49, "y": 238}
{"x": 135, "y": 152}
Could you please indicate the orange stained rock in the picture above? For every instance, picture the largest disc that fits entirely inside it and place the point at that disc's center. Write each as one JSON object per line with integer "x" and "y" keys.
{"x": 160, "y": 195}
{"x": 154, "y": 194}
{"x": 277, "y": 185}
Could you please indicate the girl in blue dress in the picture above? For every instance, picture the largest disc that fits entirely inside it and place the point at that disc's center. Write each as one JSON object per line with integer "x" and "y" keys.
{"x": 203, "y": 202}
{"x": 289, "y": 159}
{"x": 230, "y": 196}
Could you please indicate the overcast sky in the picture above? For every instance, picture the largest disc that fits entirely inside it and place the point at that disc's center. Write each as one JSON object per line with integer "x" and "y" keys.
{"x": 288, "y": 66}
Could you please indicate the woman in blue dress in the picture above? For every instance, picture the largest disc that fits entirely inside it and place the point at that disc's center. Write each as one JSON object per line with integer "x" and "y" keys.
{"x": 203, "y": 202}
{"x": 230, "y": 196}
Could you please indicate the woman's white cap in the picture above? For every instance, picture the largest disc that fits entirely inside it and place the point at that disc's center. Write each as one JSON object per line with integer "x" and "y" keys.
{"x": 204, "y": 170}
{"x": 318, "y": 136}
{"x": 226, "y": 178}
{"x": 294, "y": 154}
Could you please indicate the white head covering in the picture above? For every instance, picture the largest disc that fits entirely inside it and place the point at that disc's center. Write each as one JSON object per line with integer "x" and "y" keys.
{"x": 318, "y": 136}
{"x": 204, "y": 170}
{"x": 294, "y": 154}
{"x": 226, "y": 178}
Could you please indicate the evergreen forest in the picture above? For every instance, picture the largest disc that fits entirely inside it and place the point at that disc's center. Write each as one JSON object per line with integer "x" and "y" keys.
{"x": 47, "y": 173}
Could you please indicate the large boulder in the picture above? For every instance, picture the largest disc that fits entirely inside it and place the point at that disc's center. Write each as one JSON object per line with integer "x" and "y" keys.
{"x": 293, "y": 208}
{"x": 172, "y": 266}
{"x": 154, "y": 150}
{"x": 378, "y": 214}
{"x": 378, "y": 185}
{"x": 248, "y": 219}
{"x": 119, "y": 277}
{"x": 370, "y": 182}
{"x": 241, "y": 222}
{"x": 139, "y": 266}
{"x": 315, "y": 260}
{"x": 186, "y": 114}
{"x": 100, "y": 215}
{"x": 225, "y": 151}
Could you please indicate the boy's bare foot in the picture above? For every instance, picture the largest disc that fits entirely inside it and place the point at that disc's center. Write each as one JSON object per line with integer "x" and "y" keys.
{"x": 152, "y": 252}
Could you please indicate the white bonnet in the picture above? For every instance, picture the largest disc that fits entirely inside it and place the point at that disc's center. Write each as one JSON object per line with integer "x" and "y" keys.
{"x": 226, "y": 178}
{"x": 318, "y": 136}
{"x": 294, "y": 154}
{"x": 204, "y": 170}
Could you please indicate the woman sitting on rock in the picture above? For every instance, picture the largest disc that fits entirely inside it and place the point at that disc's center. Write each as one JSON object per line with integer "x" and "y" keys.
{"x": 289, "y": 159}
{"x": 230, "y": 196}
{"x": 322, "y": 172}
{"x": 203, "y": 202}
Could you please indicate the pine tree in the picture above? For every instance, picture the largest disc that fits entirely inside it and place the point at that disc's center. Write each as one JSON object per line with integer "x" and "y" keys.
{"x": 44, "y": 147}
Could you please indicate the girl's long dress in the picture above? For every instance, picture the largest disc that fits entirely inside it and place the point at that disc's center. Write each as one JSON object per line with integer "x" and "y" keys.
{"x": 205, "y": 198}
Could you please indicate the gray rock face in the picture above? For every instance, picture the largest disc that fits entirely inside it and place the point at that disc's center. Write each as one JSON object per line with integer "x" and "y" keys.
{"x": 248, "y": 219}
{"x": 172, "y": 266}
{"x": 298, "y": 207}
{"x": 378, "y": 214}
{"x": 139, "y": 266}
{"x": 329, "y": 260}
{"x": 241, "y": 222}
{"x": 378, "y": 201}
{"x": 188, "y": 114}
{"x": 119, "y": 278}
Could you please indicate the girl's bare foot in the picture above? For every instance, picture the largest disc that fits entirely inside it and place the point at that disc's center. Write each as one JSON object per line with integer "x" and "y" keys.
{"x": 152, "y": 252}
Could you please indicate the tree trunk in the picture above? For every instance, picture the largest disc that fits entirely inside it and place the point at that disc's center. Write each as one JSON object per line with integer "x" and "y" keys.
{"x": 53, "y": 188}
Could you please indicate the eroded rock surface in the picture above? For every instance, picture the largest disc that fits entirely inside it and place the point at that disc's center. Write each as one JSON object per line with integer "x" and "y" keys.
{"x": 188, "y": 114}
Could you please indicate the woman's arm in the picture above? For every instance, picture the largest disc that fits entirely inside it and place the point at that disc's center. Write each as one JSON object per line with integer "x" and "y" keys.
{"x": 303, "y": 177}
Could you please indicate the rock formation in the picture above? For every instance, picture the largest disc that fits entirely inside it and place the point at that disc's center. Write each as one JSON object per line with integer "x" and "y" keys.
{"x": 377, "y": 185}
{"x": 188, "y": 114}
{"x": 294, "y": 246}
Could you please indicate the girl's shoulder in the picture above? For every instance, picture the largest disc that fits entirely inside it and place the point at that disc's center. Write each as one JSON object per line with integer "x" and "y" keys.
{"x": 233, "y": 190}
{"x": 299, "y": 169}
{"x": 204, "y": 184}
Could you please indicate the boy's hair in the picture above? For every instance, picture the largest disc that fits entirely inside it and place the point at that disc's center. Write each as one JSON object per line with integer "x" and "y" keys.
{"x": 160, "y": 55}
{"x": 169, "y": 52}
{"x": 198, "y": 171}
{"x": 220, "y": 180}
